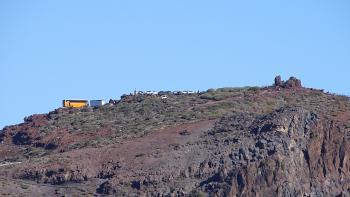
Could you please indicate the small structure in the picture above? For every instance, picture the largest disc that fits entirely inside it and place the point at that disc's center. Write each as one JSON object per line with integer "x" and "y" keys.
{"x": 75, "y": 103}
{"x": 97, "y": 103}
{"x": 151, "y": 93}
{"x": 187, "y": 92}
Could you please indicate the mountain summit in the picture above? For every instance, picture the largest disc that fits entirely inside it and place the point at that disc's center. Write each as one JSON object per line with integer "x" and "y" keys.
{"x": 279, "y": 140}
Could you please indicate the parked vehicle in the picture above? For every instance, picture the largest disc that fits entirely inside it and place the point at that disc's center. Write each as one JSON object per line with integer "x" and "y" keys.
{"x": 176, "y": 92}
{"x": 151, "y": 92}
{"x": 164, "y": 92}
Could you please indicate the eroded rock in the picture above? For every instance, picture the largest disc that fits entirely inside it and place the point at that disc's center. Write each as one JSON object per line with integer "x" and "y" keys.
{"x": 292, "y": 83}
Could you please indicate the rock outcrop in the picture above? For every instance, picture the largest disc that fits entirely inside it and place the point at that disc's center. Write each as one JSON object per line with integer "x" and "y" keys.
{"x": 106, "y": 188}
{"x": 290, "y": 152}
{"x": 55, "y": 175}
{"x": 292, "y": 82}
{"x": 278, "y": 81}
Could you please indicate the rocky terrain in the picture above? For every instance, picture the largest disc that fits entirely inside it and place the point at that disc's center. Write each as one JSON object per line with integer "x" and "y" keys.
{"x": 279, "y": 140}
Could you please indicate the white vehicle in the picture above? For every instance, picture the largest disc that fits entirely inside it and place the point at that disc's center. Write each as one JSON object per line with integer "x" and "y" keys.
{"x": 188, "y": 92}
{"x": 164, "y": 97}
{"x": 152, "y": 92}
{"x": 96, "y": 103}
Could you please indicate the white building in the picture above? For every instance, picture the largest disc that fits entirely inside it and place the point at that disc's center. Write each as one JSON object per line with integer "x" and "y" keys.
{"x": 96, "y": 103}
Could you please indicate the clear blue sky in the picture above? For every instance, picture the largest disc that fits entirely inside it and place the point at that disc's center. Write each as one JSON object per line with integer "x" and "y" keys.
{"x": 59, "y": 49}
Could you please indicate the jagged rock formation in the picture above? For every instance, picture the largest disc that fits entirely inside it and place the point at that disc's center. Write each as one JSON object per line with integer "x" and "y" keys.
{"x": 284, "y": 153}
{"x": 292, "y": 82}
{"x": 278, "y": 81}
{"x": 283, "y": 140}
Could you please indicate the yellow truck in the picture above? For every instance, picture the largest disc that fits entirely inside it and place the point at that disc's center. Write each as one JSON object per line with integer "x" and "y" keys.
{"x": 75, "y": 103}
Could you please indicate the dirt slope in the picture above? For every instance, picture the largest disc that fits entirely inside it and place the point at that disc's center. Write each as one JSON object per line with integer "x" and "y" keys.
{"x": 282, "y": 140}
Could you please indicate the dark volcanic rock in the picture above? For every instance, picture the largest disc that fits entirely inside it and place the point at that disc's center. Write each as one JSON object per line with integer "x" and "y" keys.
{"x": 184, "y": 132}
{"x": 286, "y": 159}
{"x": 278, "y": 81}
{"x": 291, "y": 83}
{"x": 53, "y": 175}
{"x": 105, "y": 188}
{"x": 21, "y": 138}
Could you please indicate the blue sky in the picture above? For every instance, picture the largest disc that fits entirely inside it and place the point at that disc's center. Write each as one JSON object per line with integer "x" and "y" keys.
{"x": 53, "y": 50}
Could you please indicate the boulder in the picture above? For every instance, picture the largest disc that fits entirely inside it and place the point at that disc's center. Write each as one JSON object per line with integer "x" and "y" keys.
{"x": 105, "y": 188}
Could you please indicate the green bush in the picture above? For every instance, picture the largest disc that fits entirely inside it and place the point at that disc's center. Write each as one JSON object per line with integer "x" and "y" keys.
{"x": 313, "y": 135}
{"x": 24, "y": 186}
{"x": 196, "y": 193}
{"x": 216, "y": 96}
{"x": 229, "y": 89}
{"x": 347, "y": 126}
{"x": 254, "y": 88}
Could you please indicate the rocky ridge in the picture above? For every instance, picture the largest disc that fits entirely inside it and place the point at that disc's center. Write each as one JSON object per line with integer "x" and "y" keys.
{"x": 282, "y": 140}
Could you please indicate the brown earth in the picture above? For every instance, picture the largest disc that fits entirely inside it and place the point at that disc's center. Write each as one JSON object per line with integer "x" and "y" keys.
{"x": 282, "y": 140}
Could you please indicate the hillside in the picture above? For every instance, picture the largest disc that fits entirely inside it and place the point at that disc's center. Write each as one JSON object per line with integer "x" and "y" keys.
{"x": 279, "y": 140}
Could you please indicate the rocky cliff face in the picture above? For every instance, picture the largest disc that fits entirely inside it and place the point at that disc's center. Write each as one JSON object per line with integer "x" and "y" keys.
{"x": 283, "y": 140}
{"x": 289, "y": 152}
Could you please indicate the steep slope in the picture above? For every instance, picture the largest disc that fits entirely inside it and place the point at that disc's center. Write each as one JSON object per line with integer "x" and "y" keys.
{"x": 282, "y": 140}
